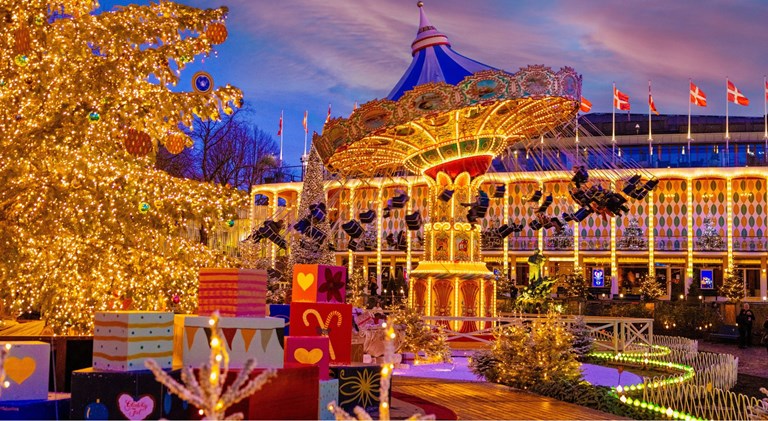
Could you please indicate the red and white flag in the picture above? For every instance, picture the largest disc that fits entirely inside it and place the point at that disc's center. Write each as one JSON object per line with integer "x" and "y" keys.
{"x": 620, "y": 100}
{"x": 698, "y": 96}
{"x": 585, "y": 106}
{"x": 735, "y": 95}
{"x": 328, "y": 117}
{"x": 652, "y": 105}
{"x": 280, "y": 127}
{"x": 305, "y": 122}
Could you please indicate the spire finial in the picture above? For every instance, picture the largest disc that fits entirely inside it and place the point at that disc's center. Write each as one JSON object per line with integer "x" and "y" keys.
{"x": 419, "y": 4}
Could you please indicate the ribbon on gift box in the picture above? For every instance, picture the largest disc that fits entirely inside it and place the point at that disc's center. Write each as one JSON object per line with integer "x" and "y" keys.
{"x": 325, "y": 327}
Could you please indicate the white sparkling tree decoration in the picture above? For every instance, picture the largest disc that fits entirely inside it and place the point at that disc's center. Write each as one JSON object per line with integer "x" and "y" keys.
{"x": 633, "y": 237}
{"x": 386, "y": 377}
{"x": 710, "y": 238}
{"x": 206, "y": 391}
{"x": 4, "y": 351}
{"x": 561, "y": 239}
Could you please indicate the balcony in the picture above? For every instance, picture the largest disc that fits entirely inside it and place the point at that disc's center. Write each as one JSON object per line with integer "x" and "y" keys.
{"x": 671, "y": 244}
{"x": 756, "y": 244}
{"x": 593, "y": 243}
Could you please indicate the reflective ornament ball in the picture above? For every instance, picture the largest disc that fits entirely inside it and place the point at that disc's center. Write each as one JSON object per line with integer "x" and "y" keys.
{"x": 21, "y": 60}
{"x": 144, "y": 207}
{"x": 94, "y": 117}
{"x": 231, "y": 223}
{"x": 176, "y": 298}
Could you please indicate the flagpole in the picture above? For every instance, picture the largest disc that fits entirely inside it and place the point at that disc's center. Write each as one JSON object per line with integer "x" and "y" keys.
{"x": 765, "y": 116}
{"x": 727, "y": 131}
{"x": 613, "y": 126}
{"x": 305, "y": 132}
{"x": 650, "y": 128}
{"x": 690, "y": 81}
{"x": 281, "y": 138}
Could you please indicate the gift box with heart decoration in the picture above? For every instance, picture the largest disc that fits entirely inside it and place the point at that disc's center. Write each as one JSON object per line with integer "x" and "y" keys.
{"x": 26, "y": 371}
{"x": 359, "y": 385}
{"x": 234, "y": 292}
{"x": 282, "y": 311}
{"x": 308, "y": 350}
{"x": 55, "y": 407}
{"x": 319, "y": 284}
{"x": 325, "y": 319}
{"x": 329, "y": 391}
{"x": 259, "y": 338}
{"x": 291, "y": 395}
{"x": 123, "y": 340}
{"x": 132, "y": 395}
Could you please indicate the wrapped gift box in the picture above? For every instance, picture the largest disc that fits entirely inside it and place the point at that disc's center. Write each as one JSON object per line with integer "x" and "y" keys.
{"x": 319, "y": 284}
{"x": 133, "y": 395}
{"x": 291, "y": 395}
{"x": 26, "y": 370}
{"x": 234, "y": 292}
{"x": 282, "y": 311}
{"x": 308, "y": 350}
{"x": 359, "y": 385}
{"x": 259, "y": 338}
{"x": 55, "y": 407}
{"x": 325, "y": 319}
{"x": 123, "y": 340}
{"x": 329, "y": 391}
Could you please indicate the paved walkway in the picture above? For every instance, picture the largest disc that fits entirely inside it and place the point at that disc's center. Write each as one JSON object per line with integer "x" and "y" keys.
{"x": 488, "y": 401}
{"x": 752, "y": 361}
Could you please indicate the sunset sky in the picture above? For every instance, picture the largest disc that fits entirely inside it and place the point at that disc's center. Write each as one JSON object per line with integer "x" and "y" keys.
{"x": 297, "y": 55}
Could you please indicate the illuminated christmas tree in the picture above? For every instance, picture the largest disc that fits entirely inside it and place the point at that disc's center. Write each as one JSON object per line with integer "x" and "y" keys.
{"x": 733, "y": 285}
{"x": 86, "y": 222}
{"x": 305, "y": 248}
{"x": 710, "y": 238}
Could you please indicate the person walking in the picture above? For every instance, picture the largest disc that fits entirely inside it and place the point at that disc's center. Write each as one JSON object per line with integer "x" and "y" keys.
{"x": 765, "y": 333}
{"x": 744, "y": 320}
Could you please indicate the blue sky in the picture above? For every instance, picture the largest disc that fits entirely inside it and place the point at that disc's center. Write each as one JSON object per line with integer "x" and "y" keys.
{"x": 297, "y": 55}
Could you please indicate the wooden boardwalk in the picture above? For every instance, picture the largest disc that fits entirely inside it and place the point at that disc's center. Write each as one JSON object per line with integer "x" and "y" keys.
{"x": 488, "y": 401}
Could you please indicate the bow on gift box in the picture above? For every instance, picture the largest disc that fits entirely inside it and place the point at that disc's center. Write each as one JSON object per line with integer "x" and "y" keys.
{"x": 332, "y": 286}
{"x": 325, "y": 328}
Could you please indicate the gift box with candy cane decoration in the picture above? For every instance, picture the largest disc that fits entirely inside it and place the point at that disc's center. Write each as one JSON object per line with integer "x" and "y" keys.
{"x": 325, "y": 319}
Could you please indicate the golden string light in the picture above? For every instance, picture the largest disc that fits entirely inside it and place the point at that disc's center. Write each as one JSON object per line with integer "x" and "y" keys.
{"x": 85, "y": 226}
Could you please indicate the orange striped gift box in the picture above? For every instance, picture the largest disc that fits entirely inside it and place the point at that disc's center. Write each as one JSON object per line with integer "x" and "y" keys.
{"x": 123, "y": 340}
{"x": 234, "y": 292}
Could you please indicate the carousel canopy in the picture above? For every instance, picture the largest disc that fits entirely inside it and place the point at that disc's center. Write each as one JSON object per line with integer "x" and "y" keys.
{"x": 434, "y": 60}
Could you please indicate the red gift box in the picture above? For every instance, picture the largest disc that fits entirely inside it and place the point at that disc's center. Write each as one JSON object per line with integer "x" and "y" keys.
{"x": 319, "y": 284}
{"x": 293, "y": 395}
{"x": 308, "y": 350}
{"x": 325, "y": 319}
{"x": 234, "y": 292}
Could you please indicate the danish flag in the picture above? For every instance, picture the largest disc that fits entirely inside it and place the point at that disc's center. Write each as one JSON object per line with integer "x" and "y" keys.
{"x": 328, "y": 117}
{"x": 735, "y": 96}
{"x": 304, "y": 122}
{"x": 698, "y": 96}
{"x": 620, "y": 100}
{"x": 766, "y": 91}
{"x": 586, "y": 105}
{"x": 651, "y": 104}
{"x": 280, "y": 127}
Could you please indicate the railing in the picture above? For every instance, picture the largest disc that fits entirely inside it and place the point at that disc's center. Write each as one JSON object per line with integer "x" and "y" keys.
{"x": 523, "y": 243}
{"x": 671, "y": 243}
{"x": 750, "y": 244}
{"x": 611, "y": 333}
{"x": 595, "y": 243}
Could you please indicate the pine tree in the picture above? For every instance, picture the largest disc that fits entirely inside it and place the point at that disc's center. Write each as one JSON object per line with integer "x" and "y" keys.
{"x": 650, "y": 288}
{"x": 356, "y": 287}
{"x": 633, "y": 237}
{"x": 415, "y": 336}
{"x": 733, "y": 285}
{"x": 710, "y": 238}
{"x": 304, "y": 249}
{"x": 86, "y": 222}
{"x": 583, "y": 342}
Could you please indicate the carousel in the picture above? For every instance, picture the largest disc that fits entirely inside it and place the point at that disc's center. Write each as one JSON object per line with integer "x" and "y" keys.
{"x": 447, "y": 119}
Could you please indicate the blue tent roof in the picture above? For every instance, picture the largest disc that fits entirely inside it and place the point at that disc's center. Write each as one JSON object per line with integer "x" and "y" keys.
{"x": 434, "y": 60}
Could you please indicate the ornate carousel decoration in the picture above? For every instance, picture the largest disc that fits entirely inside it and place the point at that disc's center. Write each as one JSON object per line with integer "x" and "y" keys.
{"x": 446, "y": 119}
